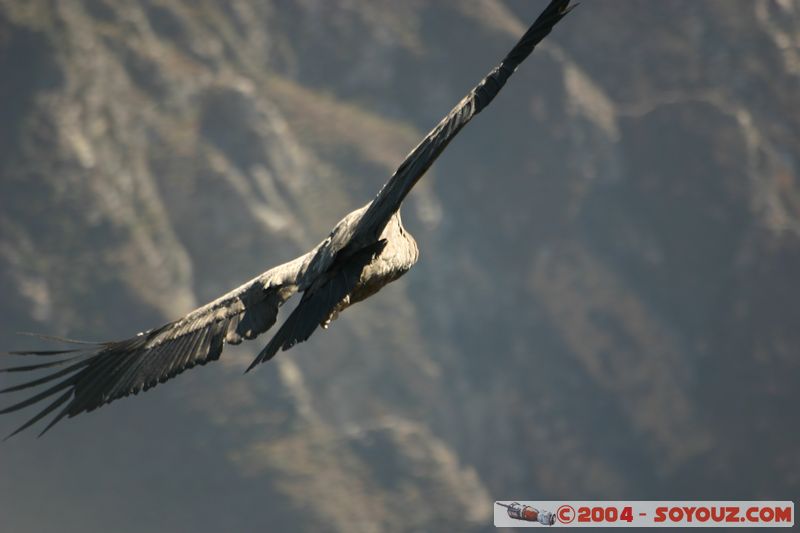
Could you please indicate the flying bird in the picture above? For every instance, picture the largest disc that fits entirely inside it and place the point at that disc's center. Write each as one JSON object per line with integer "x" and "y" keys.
{"x": 366, "y": 250}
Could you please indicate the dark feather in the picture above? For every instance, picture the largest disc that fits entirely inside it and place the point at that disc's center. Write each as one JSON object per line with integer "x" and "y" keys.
{"x": 39, "y": 366}
{"x": 38, "y": 397}
{"x": 42, "y": 352}
{"x": 55, "y": 338}
{"x": 46, "y": 379}
{"x": 46, "y": 411}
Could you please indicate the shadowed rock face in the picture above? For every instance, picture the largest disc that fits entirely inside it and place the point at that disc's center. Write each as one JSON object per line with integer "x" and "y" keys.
{"x": 606, "y": 304}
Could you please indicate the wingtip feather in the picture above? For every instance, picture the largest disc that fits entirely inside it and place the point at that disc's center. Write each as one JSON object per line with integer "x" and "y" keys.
{"x": 56, "y": 338}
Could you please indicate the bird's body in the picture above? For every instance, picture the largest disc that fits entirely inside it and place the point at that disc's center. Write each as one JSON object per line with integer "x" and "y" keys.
{"x": 395, "y": 259}
{"x": 366, "y": 250}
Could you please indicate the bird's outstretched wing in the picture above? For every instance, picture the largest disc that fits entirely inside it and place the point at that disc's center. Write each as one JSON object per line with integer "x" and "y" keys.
{"x": 90, "y": 375}
{"x": 422, "y": 157}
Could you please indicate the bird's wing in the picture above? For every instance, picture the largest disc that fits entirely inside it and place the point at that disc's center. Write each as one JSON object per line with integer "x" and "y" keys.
{"x": 94, "y": 374}
{"x": 420, "y": 159}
